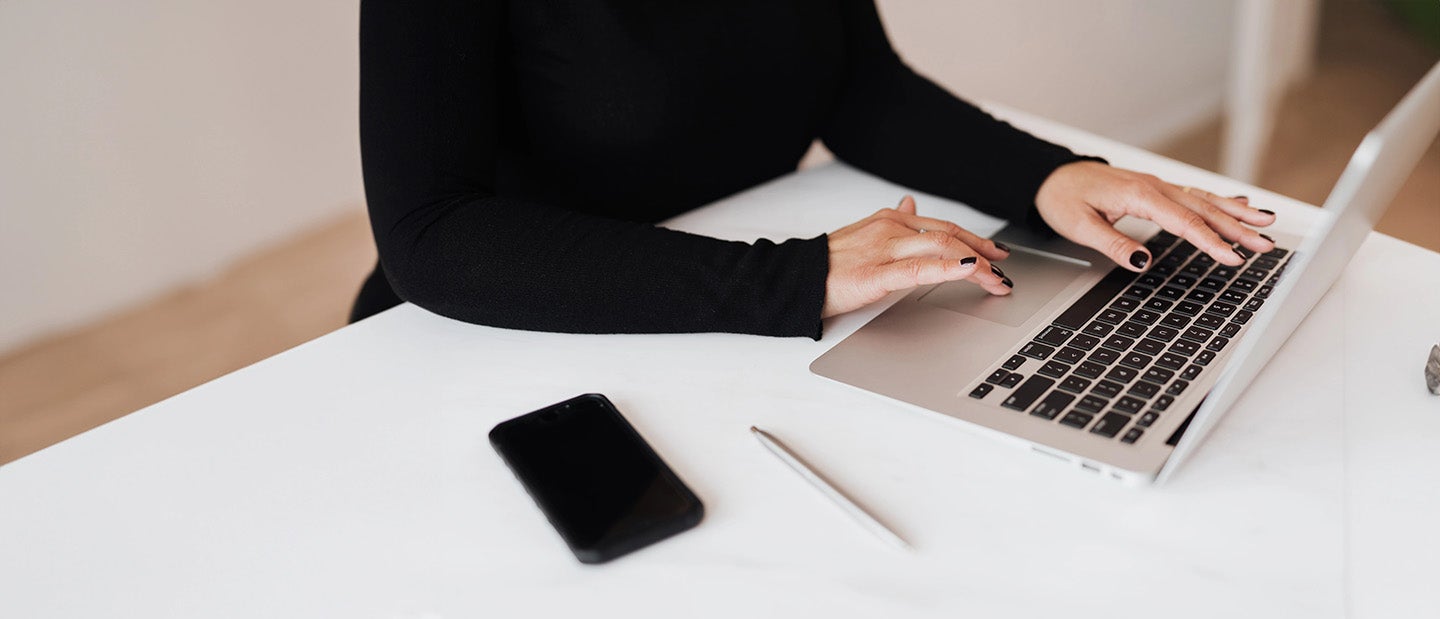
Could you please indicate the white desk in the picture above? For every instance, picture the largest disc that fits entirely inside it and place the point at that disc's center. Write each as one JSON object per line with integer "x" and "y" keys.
{"x": 351, "y": 477}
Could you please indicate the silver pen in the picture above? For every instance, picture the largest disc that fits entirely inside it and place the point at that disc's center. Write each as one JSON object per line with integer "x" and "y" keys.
{"x": 829, "y": 490}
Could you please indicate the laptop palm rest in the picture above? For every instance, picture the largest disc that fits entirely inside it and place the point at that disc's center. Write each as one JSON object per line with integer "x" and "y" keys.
{"x": 1038, "y": 277}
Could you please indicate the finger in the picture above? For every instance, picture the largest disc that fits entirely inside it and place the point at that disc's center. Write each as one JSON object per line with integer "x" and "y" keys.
{"x": 1239, "y": 208}
{"x": 1183, "y": 222}
{"x": 1218, "y": 220}
{"x": 907, "y": 205}
{"x": 994, "y": 281}
{"x": 988, "y": 248}
{"x": 1095, "y": 232}
{"x": 912, "y": 272}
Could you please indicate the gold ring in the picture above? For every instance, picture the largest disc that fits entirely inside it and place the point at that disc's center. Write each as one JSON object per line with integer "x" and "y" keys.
{"x": 922, "y": 230}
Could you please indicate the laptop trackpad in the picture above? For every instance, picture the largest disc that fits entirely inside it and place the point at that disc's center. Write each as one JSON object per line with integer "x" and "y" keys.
{"x": 1038, "y": 278}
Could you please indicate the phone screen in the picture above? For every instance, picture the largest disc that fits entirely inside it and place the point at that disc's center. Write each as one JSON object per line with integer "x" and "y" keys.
{"x": 599, "y": 483}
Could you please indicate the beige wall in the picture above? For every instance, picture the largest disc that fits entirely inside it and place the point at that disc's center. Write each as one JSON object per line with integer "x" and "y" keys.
{"x": 147, "y": 143}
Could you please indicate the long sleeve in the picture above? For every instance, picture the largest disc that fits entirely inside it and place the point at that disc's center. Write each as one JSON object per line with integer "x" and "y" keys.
{"x": 898, "y": 125}
{"x": 432, "y": 98}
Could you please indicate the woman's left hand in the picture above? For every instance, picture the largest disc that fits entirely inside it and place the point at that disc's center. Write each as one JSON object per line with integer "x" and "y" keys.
{"x": 1081, "y": 200}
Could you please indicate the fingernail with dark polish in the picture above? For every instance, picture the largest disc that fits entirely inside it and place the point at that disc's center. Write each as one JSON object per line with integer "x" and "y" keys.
{"x": 1237, "y": 252}
{"x": 1139, "y": 259}
{"x": 1001, "y": 246}
{"x": 1266, "y": 237}
{"x": 968, "y": 261}
{"x": 1008, "y": 283}
{"x": 996, "y": 270}
{"x": 1266, "y": 211}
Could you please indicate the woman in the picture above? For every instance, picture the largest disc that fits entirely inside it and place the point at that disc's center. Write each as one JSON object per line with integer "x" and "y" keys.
{"x": 518, "y": 154}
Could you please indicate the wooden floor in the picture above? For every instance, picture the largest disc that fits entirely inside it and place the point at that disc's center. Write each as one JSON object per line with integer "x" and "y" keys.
{"x": 64, "y": 385}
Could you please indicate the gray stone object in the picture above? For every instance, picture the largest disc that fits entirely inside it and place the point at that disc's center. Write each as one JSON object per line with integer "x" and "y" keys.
{"x": 1432, "y": 370}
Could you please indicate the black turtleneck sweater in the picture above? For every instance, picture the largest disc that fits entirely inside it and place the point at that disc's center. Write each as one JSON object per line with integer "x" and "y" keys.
{"x": 518, "y": 154}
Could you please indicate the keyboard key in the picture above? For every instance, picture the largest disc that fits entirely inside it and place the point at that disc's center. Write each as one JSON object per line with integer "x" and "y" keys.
{"x": 1104, "y": 356}
{"x": 1137, "y": 292}
{"x": 1188, "y": 308}
{"x": 1223, "y": 309}
{"x": 1205, "y": 357}
{"x": 1110, "y": 316}
{"x": 1265, "y": 263}
{"x": 1158, "y": 376}
{"x": 1122, "y": 374}
{"x": 1014, "y": 362}
{"x": 1095, "y": 299}
{"x": 1203, "y": 260}
{"x": 1175, "y": 321}
{"x": 1150, "y": 347}
{"x": 997, "y": 376}
{"x": 1129, "y": 405}
{"x": 1089, "y": 369}
{"x": 1244, "y": 251}
{"x": 1163, "y": 334}
{"x": 1109, "y": 425}
{"x": 1255, "y": 274}
{"x": 1135, "y": 360}
{"x": 1210, "y": 321}
{"x": 1074, "y": 384}
{"x": 1211, "y": 285}
{"x": 1026, "y": 395}
{"x": 1145, "y": 317}
{"x": 1131, "y": 330}
{"x": 1184, "y": 347}
{"x": 1118, "y": 342}
{"x": 1177, "y": 387}
{"x": 1224, "y": 273}
{"x": 1229, "y": 330}
{"x": 1107, "y": 389}
{"x": 1091, "y": 404}
{"x": 1163, "y": 402}
{"x": 1264, "y": 292}
{"x": 1170, "y": 361}
{"x": 1173, "y": 294}
{"x": 1150, "y": 280}
{"x": 1217, "y": 344}
{"x": 1233, "y": 296}
{"x": 1098, "y": 329}
{"x": 1147, "y": 419}
{"x": 1162, "y": 269}
{"x": 1132, "y": 435}
{"x": 1200, "y": 296}
{"x": 1191, "y": 372}
{"x": 1012, "y": 380}
{"x": 1036, "y": 350}
{"x": 1077, "y": 419}
{"x": 1144, "y": 390}
{"x": 1158, "y": 305}
{"x": 1054, "y": 336}
{"x": 1084, "y": 342}
{"x": 1053, "y": 369}
{"x": 1051, "y": 406}
{"x": 1196, "y": 269}
{"x": 1182, "y": 280}
{"x": 1197, "y": 334}
{"x": 1244, "y": 285}
{"x": 1277, "y": 253}
{"x": 1069, "y": 355}
{"x": 1254, "y": 305}
{"x": 981, "y": 391}
{"x": 1125, "y": 304}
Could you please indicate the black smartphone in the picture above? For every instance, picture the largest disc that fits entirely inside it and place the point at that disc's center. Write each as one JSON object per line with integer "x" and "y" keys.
{"x": 598, "y": 482}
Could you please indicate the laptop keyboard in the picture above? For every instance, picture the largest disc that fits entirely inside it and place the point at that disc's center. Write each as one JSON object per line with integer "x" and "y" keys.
{"x": 1114, "y": 361}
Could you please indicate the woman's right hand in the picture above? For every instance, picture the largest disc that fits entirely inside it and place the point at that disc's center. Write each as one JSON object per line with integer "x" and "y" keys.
{"x": 895, "y": 249}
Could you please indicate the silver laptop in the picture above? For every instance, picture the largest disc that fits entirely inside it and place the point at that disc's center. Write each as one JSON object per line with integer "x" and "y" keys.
{"x": 1124, "y": 374}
